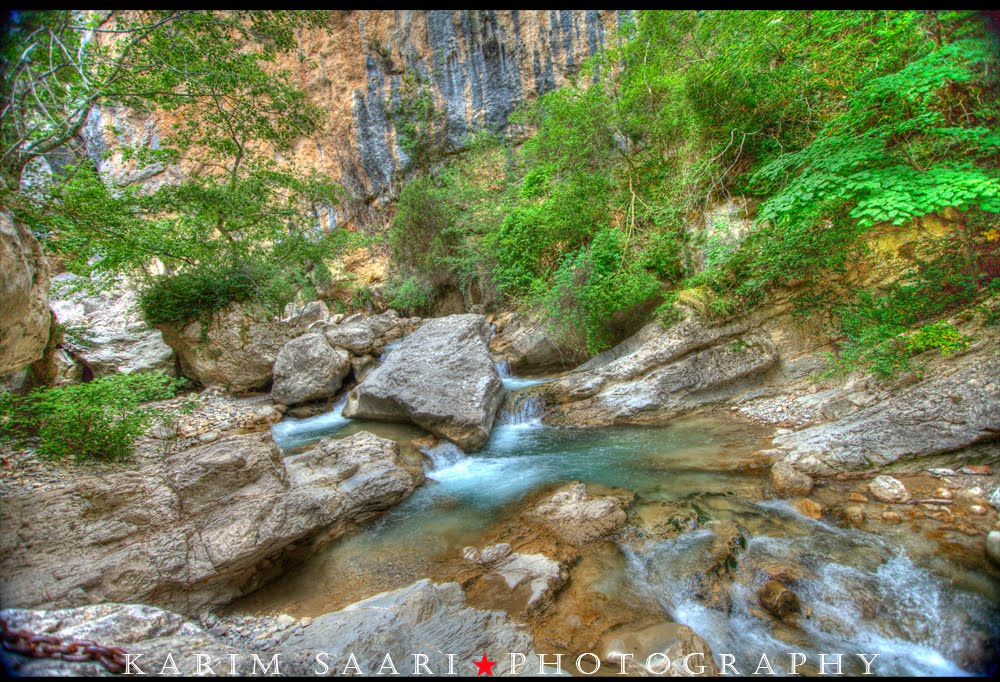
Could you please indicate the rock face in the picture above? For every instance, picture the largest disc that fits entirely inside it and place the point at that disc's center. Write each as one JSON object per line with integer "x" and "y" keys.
{"x": 441, "y": 378}
{"x": 957, "y": 406}
{"x": 113, "y": 336}
{"x": 789, "y": 481}
{"x": 307, "y": 368}
{"x": 579, "y": 518}
{"x": 24, "y": 296}
{"x": 237, "y": 350}
{"x": 529, "y": 346}
{"x": 422, "y": 618}
{"x": 660, "y": 374}
{"x": 198, "y": 528}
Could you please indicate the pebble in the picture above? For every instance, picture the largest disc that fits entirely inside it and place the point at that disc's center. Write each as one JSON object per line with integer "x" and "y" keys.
{"x": 977, "y": 509}
{"x": 857, "y": 497}
{"x": 306, "y": 621}
{"x": 891, "y": 517}
{"x": 943, "y": 494}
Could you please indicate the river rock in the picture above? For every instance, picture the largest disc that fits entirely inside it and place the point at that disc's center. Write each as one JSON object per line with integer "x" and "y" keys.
{"x": 441, "y": 378}
{"x": 531, "y": 579}
{"x": 777, "y": 599}
{"x": 24, "y": 296}
{"x": 807, "y": 507}
{"x": 955, "y": 406}
{"x": 888, "y": 489}
{"x": 661, "y": 373}
{"x": 307, "y": 368}
{"x": 671, "y": 639}
{"x": 789, "y": 481}
{"x": 236, "y": 349}
{"x": 196, "y": 529}
{"x": 993, "y": 546}
{"x": 422, "y": 618}
{"x": 578, "y": 518}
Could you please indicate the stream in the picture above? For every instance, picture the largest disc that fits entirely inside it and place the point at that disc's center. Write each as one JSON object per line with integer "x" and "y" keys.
{"x": 890, "y": 594}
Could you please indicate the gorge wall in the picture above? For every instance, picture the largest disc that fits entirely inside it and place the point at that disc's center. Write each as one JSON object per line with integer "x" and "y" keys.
{"x": 371, "y": 71}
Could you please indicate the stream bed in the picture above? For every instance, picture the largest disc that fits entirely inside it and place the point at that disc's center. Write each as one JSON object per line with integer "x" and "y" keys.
{"x": 890, "y": 594}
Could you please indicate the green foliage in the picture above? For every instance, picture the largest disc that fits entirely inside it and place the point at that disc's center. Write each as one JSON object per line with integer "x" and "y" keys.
{"x": 412, "y": 296}
{"x": 197, "y": 293}
{"x": 99, "y": 420}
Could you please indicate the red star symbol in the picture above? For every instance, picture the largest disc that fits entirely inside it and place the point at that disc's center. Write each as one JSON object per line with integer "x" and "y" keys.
{"x": 485, "y": 666}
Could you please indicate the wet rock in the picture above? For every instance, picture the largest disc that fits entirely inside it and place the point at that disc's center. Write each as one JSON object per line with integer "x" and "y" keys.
{"x": 661, "y": 373}
{"x": 790, "y": 482}
{"x": 579, "y": 518}
{"x": 994, "y": 498}
{"x": 24, "y": 296}
{"x": 993, "y": 546}
{"x": 888, "y": 489}
{"x": 850, "y": 515}
{"x": 531, "y": 579}
{"x": 307, "y": 368}
{"x": 857, "y": 497}
{"x": 977, "y": 510}
{"x": 955, "y": 406}
{"x": 664, "y": 639}
{"x": 807, "y": 507}
{"x": 236, "y": 350}
{"x": 891, "y": 517}
{"x": 441, "y": 378}
{"x": 777, "y": 599}
{"x": 215, "y": 521}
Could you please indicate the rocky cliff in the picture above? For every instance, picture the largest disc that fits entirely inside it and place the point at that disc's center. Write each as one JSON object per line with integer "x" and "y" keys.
{"x": 372, "y": 72}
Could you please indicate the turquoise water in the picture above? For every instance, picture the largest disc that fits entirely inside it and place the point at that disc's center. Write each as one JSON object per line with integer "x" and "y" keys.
{"x": 865, "y": 593}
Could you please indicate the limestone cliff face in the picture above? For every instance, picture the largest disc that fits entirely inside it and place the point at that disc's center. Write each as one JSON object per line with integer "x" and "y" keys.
{"x": 368, "y": 68}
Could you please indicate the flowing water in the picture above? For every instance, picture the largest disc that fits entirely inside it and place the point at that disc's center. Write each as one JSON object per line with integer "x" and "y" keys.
{"x": 868, "y": 594}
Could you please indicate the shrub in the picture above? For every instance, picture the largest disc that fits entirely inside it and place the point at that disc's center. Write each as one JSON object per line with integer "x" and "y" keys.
{"x": 411, "y": 295}
{"x": 99, "y": 420}
{"x": 197, "y": 293}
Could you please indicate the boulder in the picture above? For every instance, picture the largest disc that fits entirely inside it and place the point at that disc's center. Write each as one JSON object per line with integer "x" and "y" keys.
{"x": 362, "y": 335}
{"x": 578, "y": 518}
{"x": 307, "y": 368}
{"x": 654, "y": 643}
{"x": 110, "y": 335}
{"x": 789, "y": 481}
{"x": 807, "y": 507}
{"x": 530, "y": 346}
{"x": 24, "y": 296}
{"x": 428, "y": 618}
{"x": 888, "y": 489}
{"x": 196, "y": 529}
{"x": 236, "y": 349}
{"x": 441, "y": 378}
{"x": 955, "y": 406}
{"x": 661, "y": 373}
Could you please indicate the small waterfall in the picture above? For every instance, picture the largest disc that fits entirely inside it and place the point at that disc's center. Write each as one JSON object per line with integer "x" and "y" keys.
{"x": 521, "y": 408}
{"x": 503, "y": 368}
{"x": 443, "y": 455}
{"x": 389, "y": 347}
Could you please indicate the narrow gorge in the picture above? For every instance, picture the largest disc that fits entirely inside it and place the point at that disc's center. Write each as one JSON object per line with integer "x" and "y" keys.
{"x": 500, "y": 342}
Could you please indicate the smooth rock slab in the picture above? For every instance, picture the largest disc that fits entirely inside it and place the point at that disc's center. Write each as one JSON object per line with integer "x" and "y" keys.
{"x": 441, "y": 378}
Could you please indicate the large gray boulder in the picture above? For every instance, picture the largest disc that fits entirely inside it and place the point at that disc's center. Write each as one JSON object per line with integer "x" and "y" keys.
{"x": 109, "y": 335}
{"x": 530, "y": 346}
{"x": 363, "y": 335}
{"x": 195, "y": 529}
{"x": 307, "y": 368}
{"x": 441, "y": 378}
{"x": 661, "y": 373}
{"x": 424, "y": 618}
{"x": 236, "y": 349}
{"x": 955, "y": 407}
{"x": 24, "y": 296}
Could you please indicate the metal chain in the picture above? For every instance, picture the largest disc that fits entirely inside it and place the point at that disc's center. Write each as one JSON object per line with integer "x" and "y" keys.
{"x": 46, "y": 646}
